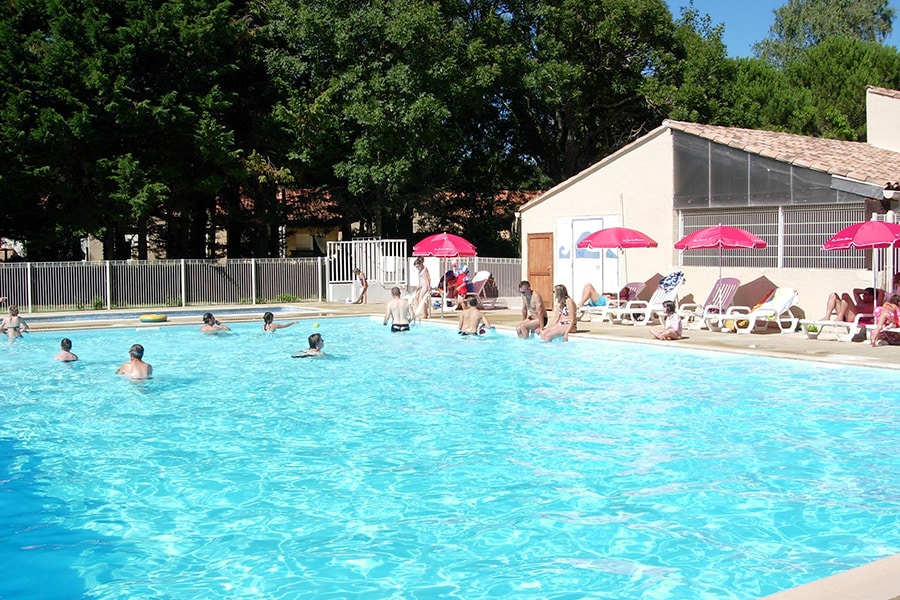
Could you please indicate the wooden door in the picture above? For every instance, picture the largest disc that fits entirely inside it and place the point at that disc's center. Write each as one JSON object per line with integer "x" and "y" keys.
{"x": 540, "y": 265}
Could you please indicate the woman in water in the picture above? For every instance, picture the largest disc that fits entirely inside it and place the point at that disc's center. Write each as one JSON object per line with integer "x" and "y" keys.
{"x": 269, "y": 323}
{"x": 563, "y": 322}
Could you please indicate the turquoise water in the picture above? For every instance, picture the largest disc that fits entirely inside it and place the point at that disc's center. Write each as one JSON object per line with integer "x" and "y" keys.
{"x": 424, "y": 465}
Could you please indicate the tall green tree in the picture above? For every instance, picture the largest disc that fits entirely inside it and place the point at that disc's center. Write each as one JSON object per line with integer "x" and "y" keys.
{"x": 802, "y": 24}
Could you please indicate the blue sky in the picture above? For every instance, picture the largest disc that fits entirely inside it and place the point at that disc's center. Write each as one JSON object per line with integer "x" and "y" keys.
{"x": 747, "y": 22}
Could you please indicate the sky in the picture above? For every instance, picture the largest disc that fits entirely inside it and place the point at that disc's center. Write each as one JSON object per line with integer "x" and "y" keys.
{"x": 747, "y": 22}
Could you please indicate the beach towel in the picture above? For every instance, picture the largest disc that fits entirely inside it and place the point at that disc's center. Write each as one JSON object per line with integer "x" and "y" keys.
{"x": 671, "y": 281}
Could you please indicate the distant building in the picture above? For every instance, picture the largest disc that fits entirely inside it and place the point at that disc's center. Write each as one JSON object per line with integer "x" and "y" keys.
{"x": 793, "y": 191}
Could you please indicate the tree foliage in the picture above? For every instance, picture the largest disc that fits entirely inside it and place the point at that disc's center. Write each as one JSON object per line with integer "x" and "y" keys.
{"x": 169, "y": 121}
{"x": 802, "y": 24}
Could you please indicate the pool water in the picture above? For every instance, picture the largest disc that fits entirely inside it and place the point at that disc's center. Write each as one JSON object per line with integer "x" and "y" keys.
{"x": 425, "y": 465}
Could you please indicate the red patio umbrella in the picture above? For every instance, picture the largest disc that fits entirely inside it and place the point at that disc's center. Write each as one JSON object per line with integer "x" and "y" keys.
{"x": 868, "y": 234}
{"x": 865, "y": 235}
{"x": 444, "y": 245}
{"x": 720, "y": 236}
{"x": 617, "y": 237}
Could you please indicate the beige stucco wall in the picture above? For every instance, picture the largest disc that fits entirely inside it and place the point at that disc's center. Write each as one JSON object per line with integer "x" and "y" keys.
{"x": 642, "y": 175}
{"x": 882, "y": 125}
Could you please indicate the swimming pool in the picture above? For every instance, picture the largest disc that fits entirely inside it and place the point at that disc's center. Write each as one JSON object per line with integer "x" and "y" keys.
{"x": 428, "y": 465}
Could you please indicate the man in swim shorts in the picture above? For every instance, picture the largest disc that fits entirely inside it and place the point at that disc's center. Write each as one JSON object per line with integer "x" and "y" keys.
{"x": 534, "y": 312}
{"x": 398, "y": 312}
{"x": 135, "y": 368}
{"x": 472, "y": 321}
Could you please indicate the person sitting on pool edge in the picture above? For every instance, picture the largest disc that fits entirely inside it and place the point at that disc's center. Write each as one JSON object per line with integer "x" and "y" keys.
{"x": 135, "y": 368}
{"x": 398, "y": 312}
{"x": 671, "y": 330}
{"x": 473, "y": 321}
{"x": 211, "y": 325}
{"x": 315, "y": 347}
{"x": 269, "y": 323}
{"x": 65, "y": 351}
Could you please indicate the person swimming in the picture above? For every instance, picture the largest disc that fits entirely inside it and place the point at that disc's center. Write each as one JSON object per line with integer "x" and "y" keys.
{"x": 316, "y": 343}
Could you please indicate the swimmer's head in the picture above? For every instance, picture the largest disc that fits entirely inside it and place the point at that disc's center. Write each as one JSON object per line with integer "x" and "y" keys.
{"x": 315, "y": 341}
{"x": 136, "y": 351}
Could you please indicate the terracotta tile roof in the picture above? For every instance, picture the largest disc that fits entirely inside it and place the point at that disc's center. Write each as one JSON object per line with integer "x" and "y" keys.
{"x": 883, "y": 91}
{"x": 854, "y": 160}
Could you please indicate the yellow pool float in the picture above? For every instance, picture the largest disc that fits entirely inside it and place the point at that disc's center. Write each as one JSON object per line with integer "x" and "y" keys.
{"x": 153, "y": 318}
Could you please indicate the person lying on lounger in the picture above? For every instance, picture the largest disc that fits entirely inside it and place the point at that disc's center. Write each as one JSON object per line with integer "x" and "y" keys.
{"x": 845, "y": 308}
{"x": 591, "y": 297}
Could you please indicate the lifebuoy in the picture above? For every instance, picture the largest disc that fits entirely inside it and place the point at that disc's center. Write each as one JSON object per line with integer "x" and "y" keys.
{"x": 153, "y": 318}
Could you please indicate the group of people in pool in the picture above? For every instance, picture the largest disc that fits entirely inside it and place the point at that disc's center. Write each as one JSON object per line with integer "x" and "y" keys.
{"x": 399, "y": 313}
{"x": 535, "y": 319}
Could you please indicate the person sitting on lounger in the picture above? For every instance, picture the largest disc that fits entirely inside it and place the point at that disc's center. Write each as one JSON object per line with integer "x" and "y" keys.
{"x": 887, "y": 323}
{"x": 671, "y": 329}
{"x": 591, "y": 297}
{"x": 844, "y": 308}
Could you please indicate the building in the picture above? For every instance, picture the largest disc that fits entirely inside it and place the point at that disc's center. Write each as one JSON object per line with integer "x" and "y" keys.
{"x": 793, "y": 191}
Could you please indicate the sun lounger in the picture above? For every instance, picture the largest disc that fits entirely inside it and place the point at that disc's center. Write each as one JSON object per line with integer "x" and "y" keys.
{"x": 775, "y": 308}
{"x": 842, "y": 330}
{"x": 693, "y": 315}
{"x": 638, "y": 312}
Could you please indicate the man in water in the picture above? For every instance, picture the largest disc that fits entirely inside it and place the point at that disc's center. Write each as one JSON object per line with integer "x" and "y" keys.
{"x": 473, "y": 321}
{"x": 65, "y": 351}
{"x": 398, "y": 312}
{"x": 316, "y": 343}
{"x": 136, "y": 368}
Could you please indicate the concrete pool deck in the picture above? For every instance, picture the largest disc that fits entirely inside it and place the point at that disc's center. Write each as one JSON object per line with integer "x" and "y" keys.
{"x": 879, "y": 580}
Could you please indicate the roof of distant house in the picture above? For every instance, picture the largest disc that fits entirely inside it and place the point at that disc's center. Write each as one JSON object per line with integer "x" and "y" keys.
{"x": 854, "y": 160}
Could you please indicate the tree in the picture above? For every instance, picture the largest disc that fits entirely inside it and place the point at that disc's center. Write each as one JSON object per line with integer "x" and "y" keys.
{"x": 802, "y": 24}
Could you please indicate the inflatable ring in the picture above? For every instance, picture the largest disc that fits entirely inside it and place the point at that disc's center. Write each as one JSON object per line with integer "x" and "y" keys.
{"x": 153, "y": 318}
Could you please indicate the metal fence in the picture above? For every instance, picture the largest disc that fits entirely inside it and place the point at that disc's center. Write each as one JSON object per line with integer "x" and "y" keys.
{"x": 74, "y": 286}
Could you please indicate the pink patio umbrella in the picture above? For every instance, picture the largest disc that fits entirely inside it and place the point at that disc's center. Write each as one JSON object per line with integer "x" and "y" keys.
{"x": 444, "y": 245}
{"x": 867, "y": 235}
{"x": 720, "y": 236}
{"x": 617, "y": 237}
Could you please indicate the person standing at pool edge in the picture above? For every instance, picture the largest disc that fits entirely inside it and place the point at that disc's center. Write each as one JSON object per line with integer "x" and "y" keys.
{"x": 363, "y": 286}
{"x": 65, "y": 351}
{"x": 135, "y": 368}
{"x": 398, "y": 312}
{"x": 423, "y": 291}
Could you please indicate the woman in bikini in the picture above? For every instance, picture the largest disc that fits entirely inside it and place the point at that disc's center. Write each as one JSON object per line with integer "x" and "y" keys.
{"x": 564, "y": 321}
{"x": 887, "y": 315}
{"x": 13, "y": 325}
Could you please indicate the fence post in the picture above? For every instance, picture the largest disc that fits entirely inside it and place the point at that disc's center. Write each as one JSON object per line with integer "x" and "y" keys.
{"x": 28, "y": 295}
{"x": 253, "y": 281}
{"x": 319, "y": 276}
{"x": 183, "y": 284}
{"x": 108, "y": 273}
